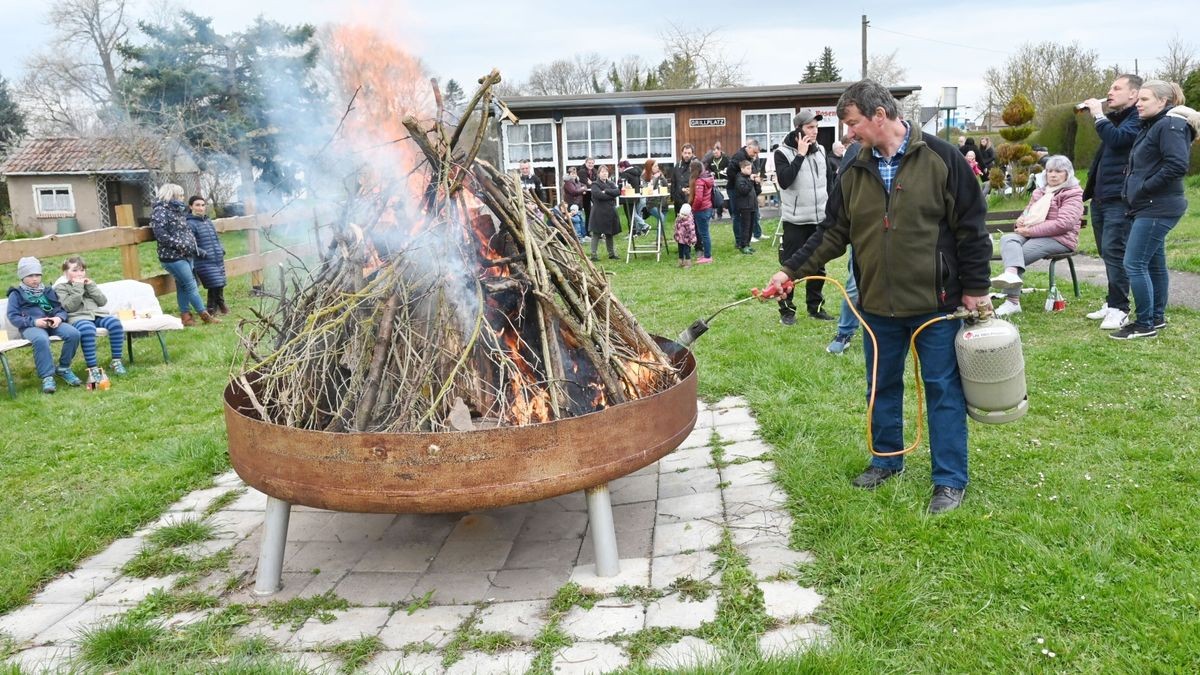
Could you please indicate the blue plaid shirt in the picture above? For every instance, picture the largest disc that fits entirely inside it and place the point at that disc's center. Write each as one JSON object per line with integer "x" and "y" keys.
{"x": 889, "y": 167}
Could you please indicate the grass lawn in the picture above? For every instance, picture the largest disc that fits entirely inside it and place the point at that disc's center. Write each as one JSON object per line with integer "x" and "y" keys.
{"x": 1077, "y": 537}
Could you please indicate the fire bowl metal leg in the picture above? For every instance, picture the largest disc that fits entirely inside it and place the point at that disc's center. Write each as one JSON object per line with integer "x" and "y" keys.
{"x": 604, "y": 533}
{"x": 270, "y": 552}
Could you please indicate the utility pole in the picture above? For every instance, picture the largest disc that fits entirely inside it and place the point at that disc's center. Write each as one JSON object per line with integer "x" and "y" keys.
{"x": 865, "y": 23}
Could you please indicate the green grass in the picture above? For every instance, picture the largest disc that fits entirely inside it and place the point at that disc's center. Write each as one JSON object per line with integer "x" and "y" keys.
{"x": 1078, "y": 528}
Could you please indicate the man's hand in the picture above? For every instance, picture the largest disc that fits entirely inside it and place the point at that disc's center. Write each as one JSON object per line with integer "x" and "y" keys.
{"x": 779, "y": 278}
{"x": 803, "y": 143}
{"x": 977, "y": 302}
{"x": 1094, "y": 106}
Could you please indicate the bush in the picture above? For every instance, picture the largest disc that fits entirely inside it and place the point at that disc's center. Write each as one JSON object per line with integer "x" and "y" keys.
{"x": 1194, "y": 164}
{"x": 1058, "y": 131}
{"x": 1087, "y": 142}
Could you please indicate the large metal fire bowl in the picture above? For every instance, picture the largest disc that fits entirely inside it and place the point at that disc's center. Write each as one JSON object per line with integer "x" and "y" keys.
{"x": 456, "y": 471}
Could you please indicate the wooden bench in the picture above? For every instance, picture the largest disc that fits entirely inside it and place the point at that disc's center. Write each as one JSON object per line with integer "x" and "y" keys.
{"x": 1000, "y": 223}
{"x": 128, "y": 295}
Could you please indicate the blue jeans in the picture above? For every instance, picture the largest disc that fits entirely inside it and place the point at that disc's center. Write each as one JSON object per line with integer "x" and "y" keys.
{"x": 945, "y": 404}
{"x": 1146, "y": 266}
{"x": 847, "y": 322}
{"x": 703, "y": 241}
{"x": 735, "y": 219}
{"x": 1112, "y": 231}
{"x": 185, "y": 286}
{"x": 43, "y": 360}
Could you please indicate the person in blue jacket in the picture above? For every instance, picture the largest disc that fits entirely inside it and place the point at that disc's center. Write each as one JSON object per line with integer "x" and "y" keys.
{"x": 210, "y": 266}
{"x": 35, "y": 311}
{"x": 1110, "y": 222}
{"x": 1153, "y": 193}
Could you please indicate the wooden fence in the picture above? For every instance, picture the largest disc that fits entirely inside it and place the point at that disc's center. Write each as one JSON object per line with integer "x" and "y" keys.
{"x": 127, "y": 236}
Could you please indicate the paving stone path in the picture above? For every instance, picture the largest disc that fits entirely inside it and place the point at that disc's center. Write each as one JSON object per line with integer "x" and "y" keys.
{"x": 489, "y": 572}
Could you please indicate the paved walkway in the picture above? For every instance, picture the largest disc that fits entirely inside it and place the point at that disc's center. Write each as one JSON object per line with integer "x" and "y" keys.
{"x": 488, "y": 572}
{"x": 1185, "y": 286}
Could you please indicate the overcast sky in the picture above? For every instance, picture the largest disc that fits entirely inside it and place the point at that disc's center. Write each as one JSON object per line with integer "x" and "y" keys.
{"x": 940, "y": 44}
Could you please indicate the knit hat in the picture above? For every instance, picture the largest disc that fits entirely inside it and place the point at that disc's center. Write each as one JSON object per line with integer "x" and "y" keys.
{"x": 685, "y": 210}
{"x": 804, "y": 117}
{"x": 27, "y": 266}
{"x": 574, "y": 208}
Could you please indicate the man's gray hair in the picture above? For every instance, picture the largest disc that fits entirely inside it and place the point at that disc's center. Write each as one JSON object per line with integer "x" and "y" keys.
{"x": 867, "y": 96}
{"x": 752, "y": 143}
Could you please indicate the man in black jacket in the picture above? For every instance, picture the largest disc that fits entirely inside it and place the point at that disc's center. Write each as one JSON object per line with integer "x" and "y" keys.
{"x": 679, "y": 177}
{"x": 749, "y": 151}
{"x": 916, "y": 258}
{"x": 1110, "y": 222}
{"x": 530, "y": 181}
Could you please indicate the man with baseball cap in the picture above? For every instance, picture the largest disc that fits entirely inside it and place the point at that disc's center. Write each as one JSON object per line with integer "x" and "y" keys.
{"x": 802, "y": 173}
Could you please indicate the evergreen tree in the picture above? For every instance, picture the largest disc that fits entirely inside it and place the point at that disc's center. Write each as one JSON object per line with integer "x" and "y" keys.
{"x": 678, "y": 72}
{"x": 12, "y": 120}
{"x": 236, "y": 95}
{"x": 823, "y": 69}
{"x": 454, "y": 97}
{"x": 596, "y": 86}
{"x": 614, "y": 79}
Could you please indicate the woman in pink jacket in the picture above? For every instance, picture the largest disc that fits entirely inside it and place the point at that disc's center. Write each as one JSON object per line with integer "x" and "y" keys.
{"x": 1049, "y": 225}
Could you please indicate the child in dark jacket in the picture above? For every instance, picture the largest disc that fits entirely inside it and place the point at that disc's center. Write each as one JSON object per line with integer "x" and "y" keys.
{"x": 747, "y": 204}
{"x": 84, "y": 302}
{"x": 210, "y": 263}
{"x": 34, "y": 311}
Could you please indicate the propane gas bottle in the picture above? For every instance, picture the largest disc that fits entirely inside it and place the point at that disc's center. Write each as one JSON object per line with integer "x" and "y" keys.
{"x": 992, "y": 368}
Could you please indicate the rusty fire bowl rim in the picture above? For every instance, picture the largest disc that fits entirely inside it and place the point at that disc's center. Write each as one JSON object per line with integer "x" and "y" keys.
{"x": 458, "y": 471}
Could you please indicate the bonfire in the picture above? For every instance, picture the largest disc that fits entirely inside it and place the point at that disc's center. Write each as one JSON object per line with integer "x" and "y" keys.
{"x": 445, "y": 298}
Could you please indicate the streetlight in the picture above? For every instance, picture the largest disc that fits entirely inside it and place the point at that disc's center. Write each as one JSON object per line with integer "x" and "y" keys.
{"x": 949, "y": 103}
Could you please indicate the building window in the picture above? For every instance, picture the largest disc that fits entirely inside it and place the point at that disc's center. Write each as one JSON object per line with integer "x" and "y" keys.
{"x": 768, "y": 127}
{"x": 54, "y": 200}
{"x": 649, "y": 136}
{"x": 585, "y": 137}
{"x": 531, "y": 140}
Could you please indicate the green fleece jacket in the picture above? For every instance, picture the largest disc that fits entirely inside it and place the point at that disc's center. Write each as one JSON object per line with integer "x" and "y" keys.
{"x": 917, "y": 250}
{"x": 82, "y": 301}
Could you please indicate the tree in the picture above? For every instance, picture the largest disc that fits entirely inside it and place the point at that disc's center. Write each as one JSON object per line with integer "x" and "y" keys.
{"x": 704, "y": 51}
{"x": 224, "y": 94}
{"x": 826, "y": 67}
{"x": 677, "y": 72}
{"x": 1191, "y": 88}
{"x": 454, "y": 96}
{"x": 1049, "y": 74}
{"x": 1179, "y": 61}
{"x": 564, "y": 77}
{"x": 12, "y": 120}
{"x": 1016, "y": 154}
{"x": 72, "y": 86}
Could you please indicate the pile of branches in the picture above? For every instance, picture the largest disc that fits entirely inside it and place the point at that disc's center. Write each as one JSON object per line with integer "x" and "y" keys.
{"x": 458, "y": 304}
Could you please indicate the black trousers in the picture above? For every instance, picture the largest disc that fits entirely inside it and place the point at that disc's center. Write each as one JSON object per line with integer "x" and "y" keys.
{"x": 794, "y": 237}
{"x": 216, "y": 299}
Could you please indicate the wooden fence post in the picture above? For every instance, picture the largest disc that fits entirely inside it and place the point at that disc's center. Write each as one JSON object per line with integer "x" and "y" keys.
{"x": 130, "y": 266}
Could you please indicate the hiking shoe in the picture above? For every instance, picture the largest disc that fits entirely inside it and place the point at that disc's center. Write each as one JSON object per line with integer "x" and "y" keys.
{"x": 68, "y": 377}
{"x": 1008, "y": 307}
{"x": 1114, "y": 319}
{"x": 945, "y": 499}
{"x": 1132, "y": 330}
{"x": 840, "y": 342}
{"x": 48, "y": 386}
{"x": 1007, "y": 280}
{"x": 118, "y": 368}
{"x": 788, "y": 319}
{"x": 874, "y": 476}
{"x": 820, "y": 315}
{"x": 747, "y": 250}
{"x": 1099, "y": 314}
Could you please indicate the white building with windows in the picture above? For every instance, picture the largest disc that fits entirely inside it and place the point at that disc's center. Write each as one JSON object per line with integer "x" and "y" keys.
{"x": 554, "y": 132}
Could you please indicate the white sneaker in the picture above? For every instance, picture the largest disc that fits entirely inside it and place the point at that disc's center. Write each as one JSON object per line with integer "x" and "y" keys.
{"x": 1114, "y": 319}
{"x": 1007, "y": 280}
{"x": 1009, "y": 307}
{"x": 1099, "y": 314}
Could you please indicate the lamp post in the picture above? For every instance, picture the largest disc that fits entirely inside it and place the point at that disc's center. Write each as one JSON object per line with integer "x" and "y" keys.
{"x": 949, "y": 103}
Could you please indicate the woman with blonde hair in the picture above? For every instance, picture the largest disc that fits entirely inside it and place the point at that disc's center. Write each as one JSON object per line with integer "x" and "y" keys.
{"x": 1153, "y": 194}
{"x": 177, "y": 251}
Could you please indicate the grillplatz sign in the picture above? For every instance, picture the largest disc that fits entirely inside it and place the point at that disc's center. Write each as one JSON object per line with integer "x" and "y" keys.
{"x": 699, "y": 122}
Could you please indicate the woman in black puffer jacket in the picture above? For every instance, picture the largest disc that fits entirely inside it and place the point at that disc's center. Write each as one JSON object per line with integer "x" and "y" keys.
{"x": 1153, "y": 193}
{"x": 209, "y": 268}
{"x": 177, "y": 250}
